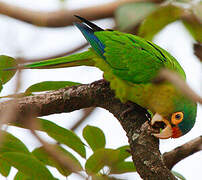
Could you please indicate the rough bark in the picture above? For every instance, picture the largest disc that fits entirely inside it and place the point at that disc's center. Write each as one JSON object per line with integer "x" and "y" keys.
{"x": 149, "y": 162}
{"x": 173, "y": 157}
{"x": 144, "y": 147}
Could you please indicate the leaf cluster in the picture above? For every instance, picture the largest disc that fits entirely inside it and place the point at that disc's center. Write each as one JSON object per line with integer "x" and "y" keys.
{"x": 33, "y": 165}
{"x": 146, "y": 19}
{"x": 102, "y": 163}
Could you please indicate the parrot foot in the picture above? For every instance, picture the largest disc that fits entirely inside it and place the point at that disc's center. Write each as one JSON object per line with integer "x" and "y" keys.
{"x": 134, "y": 107}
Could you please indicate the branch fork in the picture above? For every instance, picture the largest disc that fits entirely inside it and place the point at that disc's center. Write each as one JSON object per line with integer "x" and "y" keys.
{"x": 150, "y": 164}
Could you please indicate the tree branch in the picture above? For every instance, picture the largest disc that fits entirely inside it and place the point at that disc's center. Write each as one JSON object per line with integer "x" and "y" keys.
{"x": 144, "y": 146}
{"x": 62, "y": 18}
{"x": 64, "y": 100}
{"x": 80, "y": 47}
{"x": 177, "y": 81}
{"x": 198, "y": 50}
{"x": 173, "y": 157}
{"x": 86, "y": 113}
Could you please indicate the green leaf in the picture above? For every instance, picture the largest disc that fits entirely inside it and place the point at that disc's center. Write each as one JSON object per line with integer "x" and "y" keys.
{"x": 49, "y": 86}
{"x": 28, "y": 165}
{"x": 4, "y": 168}
{"x": 183, "y": 1}
{"x": 130, "y": 14}
{"x": 104, "y": 177}
{"x": 64, "y": 136}
{"x": 42, "y": 86}
{"x": 123, "y": 167}
{"x": 74, "y": 160}
{"x": 180, "y": 176}
{"x": 123, "y": 152}
{"x": 20, "y": 176}
{"x": 41, "y": 155}
{"x": 101, "y": 158}
{"x": 157, "y": 20}
{"x": 94, "y": 137}
{"x": 195, "y": 29}
{"x": 11, "y": 144}
{"x": 111, "y": 158}
{"x": 6, "y": 62}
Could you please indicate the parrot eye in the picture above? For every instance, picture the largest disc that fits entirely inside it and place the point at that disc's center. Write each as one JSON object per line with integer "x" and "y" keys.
{"x": 177, "y": 117}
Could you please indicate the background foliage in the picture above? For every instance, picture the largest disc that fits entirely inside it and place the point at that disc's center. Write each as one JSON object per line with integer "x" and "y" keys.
{"x": 145, "y": 19}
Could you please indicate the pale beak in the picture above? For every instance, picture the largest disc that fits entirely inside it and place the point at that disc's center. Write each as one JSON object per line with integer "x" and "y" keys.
{"x": 167, "y": 131}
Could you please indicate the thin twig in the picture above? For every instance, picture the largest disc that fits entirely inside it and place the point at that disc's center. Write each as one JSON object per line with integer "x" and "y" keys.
{"x": 80, "y": 47}
{"x": 173, "y": 157}
{"x": 61, "y": 159}
{"x": 8, "y": 116}
{"x": 86, "y": 113}
{"x": 198, "y": 50}
{"x": 63, "y": 17}
{"x": 175, "y": 79}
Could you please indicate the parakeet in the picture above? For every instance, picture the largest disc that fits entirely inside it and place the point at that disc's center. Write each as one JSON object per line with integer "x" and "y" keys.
{"x": 130, "y": 63}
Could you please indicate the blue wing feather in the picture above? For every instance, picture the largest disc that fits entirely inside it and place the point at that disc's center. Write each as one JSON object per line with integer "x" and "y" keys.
{"x": 88, "y": 33}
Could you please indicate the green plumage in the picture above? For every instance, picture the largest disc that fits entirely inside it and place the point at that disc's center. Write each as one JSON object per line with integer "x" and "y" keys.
{"x": 130, "y": 63}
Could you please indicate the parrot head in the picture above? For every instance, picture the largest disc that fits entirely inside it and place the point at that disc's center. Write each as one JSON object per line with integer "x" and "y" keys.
{"x": 178, "y": 122}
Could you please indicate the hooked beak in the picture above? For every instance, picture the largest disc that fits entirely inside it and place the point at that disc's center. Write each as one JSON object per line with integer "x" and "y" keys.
{"x": 167, "y": 131}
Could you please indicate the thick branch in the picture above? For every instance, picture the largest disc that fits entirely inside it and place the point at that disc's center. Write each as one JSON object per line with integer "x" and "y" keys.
{"x": 144, "y": 147}
{"x": 62, "y": 17}
{"x": 64, "y": 100}
{"x": 173, "y": 157}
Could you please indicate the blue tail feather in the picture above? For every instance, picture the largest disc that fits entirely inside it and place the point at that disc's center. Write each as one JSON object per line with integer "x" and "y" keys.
{"x": 88, "y": 33}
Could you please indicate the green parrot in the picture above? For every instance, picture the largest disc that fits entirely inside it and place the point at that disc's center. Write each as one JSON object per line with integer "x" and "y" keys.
{"x": 130, "y": 63}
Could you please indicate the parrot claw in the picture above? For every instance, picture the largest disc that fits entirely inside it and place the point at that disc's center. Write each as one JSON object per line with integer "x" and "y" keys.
{"x": 134, "y": 107}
